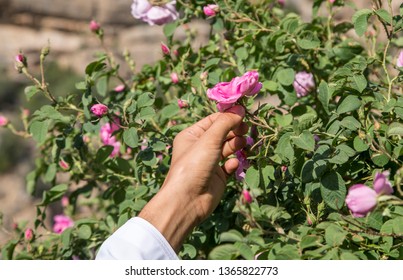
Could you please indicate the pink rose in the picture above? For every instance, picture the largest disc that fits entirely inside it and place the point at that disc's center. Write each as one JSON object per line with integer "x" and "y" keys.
{"x": 248, "y": 84}
{"x": 174, "y": 78}
{"x": 382, "y": 184}
{"x": 227, "y": 93}
{"x": 211, "y": 10}
{"x": 62, "y": 222}
{"x": 164, "y": 48}
{"x": 99, "y": 110}
{"x": 303, "y": 83}
{"x": 107, "y": 138}
{"x": 332, "y": 1}
{"x": 20, "y": 58}
{"x": 142, "y": 9}
{"x": 3, "y": 121}
{"x": 246, "y": 196}
{"x": 361, "y": 200}
{"x": 65, "y": 201}
{"x": 399, "y": 62}
{"x": 243, "y": 165}
{"x": 94, "y": 26}
{"x": 28, "y": 234}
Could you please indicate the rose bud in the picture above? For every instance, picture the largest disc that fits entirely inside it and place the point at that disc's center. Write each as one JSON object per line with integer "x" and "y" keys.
{"x": 361, "y": 200}
{"x": 99, "y": 110}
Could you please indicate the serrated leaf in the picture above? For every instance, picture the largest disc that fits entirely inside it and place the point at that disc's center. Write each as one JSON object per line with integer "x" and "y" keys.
{"x": 39, "y": 131}
{"x": 286, "y": 76}
{"x": 84, "y": 232}
{"x": 360, "y": 20}
{"x": 169, "y": 29}
{"x": 224, "y": 252}
{"x": 384, "y": 15}
{"x": 304, "y": 141}
{"x": 231, "y": 236}
{"x": 146, "y": 99}
{"x": 103, "y": 153}
{"x": 211, "y": 62}
{"x": 324, "y": 95}
{"x": 335, "y": 235}
{"x": 348, "y": 104}
{"x": 30, "y": 91}
{"x": 252, "y": 177}
{"x": 333, "y": 190}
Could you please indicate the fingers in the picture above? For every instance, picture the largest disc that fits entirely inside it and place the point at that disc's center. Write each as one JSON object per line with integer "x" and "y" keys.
{"x": 230, "y": 166}
{"x": 233, "y": 145}
{"x": 218, "y": 131}
{"x": 242, "y": 129}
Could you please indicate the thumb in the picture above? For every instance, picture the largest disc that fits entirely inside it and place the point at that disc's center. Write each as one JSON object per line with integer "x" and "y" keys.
{"x": 223, "y": 124}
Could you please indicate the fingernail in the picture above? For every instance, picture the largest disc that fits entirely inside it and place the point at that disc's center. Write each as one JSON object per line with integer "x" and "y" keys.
{"x": 239, "y": 110}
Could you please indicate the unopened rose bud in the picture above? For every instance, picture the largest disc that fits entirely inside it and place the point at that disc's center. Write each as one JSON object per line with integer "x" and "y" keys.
{"x": 283, "y": 168}
{"x": 246, "y": 197}
{"x": 182, "y": 104}
{"x": 25, "y": 113}
{"x": 94, "y": 26}
{"x": 211, "y": 10}
{"x": 65, "y": 201}
{"x": 119, "y": 88}
{"x": 28, "y": 234}
{"x": 20, "y": 62}
{"x": 3, "y": 121}
{"x": 174, "y": 78}
{"x": 45, "y": 51}
{"x": 176, "y": 52}
{"x": 64, "y": 165}
{"x": 99, "y": 110}
{"x": 165, "y": 49}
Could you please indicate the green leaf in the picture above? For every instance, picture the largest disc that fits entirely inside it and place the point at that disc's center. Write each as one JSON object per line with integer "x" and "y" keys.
{"x": 270, "y": 85}
{"x": 384, "y": 15}
{"x": 333, "y": 190}
{"x": 324, "y": 95}
{"x": 224, "y": 252}
{"x": 335, "y": 235}
{"x": 130, "y": 137}
{"x": 231, "y": 236}
{"x": 169, "y": 29}
{"x": 102, "y": 85}
{"x": 245, "y": 251}
{"x": 54, "y": 194}
{"x": 146, "y": 113}
{"x": 351, "y": 123}
{"x": 95, "y": 66}
{"x": 103, "y": 153}
{"x": 252, "y": 177}
{"x": 50, "y": 173}
{"x": 308, "y": 40}
{"x": 360, "y": 20}
{"x": 304, "y": 141}
{"x": 241, "y": 53}
{"x": 211, "y": 62}
{"x": 359, "y": 82}
{"x": 309, "y": 241}
{"x": 395, "y": 128}
{"x": 146, "y": 99}
{"x": 360, "y": 145}
{"x": 286, "y": 76}
{"x": 348, "y": 104}
{"x": 30, "y": 91}
{"x": 84, "y": 232}
{"x": 380, "y": 159}
{"x": 39, "y": 131}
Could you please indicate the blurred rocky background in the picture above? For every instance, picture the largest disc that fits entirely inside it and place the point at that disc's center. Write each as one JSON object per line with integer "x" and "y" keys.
{"x": 29, "y": 25}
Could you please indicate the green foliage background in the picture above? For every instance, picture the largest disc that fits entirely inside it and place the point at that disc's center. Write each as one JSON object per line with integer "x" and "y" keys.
{"x": 343, "y": 132}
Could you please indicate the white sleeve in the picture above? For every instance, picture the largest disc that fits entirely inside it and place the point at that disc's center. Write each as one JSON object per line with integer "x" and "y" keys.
{"x": 137, "y": 239}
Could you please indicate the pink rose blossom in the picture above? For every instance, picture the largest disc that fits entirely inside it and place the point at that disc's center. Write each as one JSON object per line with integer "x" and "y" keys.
{"x": 303, "y": 83}
{"x": 28, "y": 234}
{"x": 94, "y": 26}
{"x": 182, "y": 104}
{"x": 99, "y": 110}
{"x": 143, "y": 10}
{"x": 62, "y": 222}
{"x": 107, "y": 137}
{"x": 227, "y": 93}
{"x": 382, "y": 184}
{"x": 63, "y": 164}
{"x": 361, "y": 200}
{"x": 211, "y": 10}
{"x": 284, "y": 168}
{"x": 399, "y": 62}
{"x": 174, "y": 78}
{"x": 3, "y": 121}
{"x": 243, "y": 165}
{"x": 164, "y": 48}
{"x": 20, "y": 58}
{"x": 246, "y": 196}
{"x": 119, "y": 88}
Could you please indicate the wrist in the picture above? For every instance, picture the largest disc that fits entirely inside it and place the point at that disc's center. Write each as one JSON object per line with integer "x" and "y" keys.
{"x": 171, "y": 217}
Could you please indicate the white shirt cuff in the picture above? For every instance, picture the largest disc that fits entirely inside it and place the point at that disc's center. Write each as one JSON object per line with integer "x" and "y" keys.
{"x": 137, "y": 239}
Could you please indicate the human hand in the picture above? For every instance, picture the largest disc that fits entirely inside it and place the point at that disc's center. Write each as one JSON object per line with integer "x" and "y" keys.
{"x": 196, "y": 182}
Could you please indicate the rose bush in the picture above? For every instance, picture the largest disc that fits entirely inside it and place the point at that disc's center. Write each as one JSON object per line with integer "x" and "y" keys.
{"x": 333, "y": 128}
